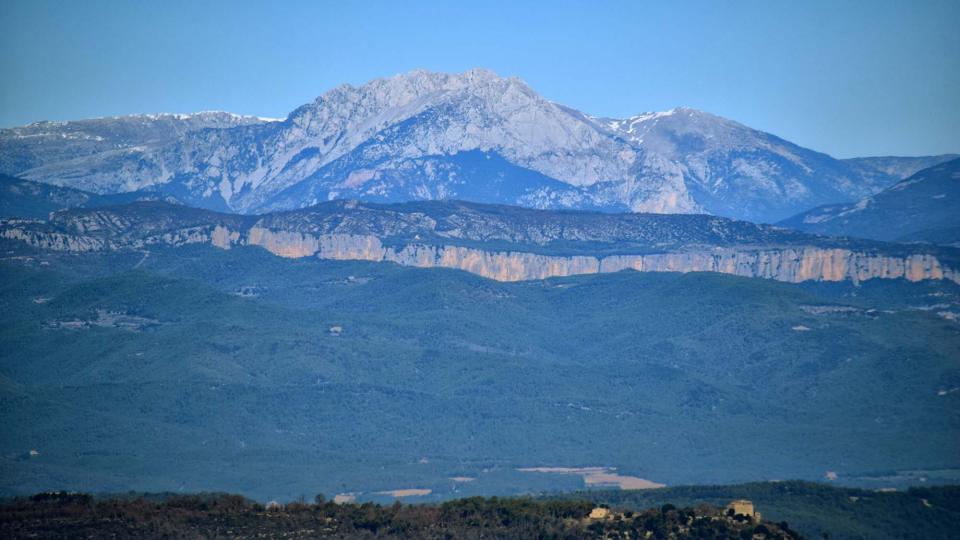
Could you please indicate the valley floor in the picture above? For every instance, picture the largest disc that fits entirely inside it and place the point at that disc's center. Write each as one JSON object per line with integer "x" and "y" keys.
{"x": 198, "y": 369}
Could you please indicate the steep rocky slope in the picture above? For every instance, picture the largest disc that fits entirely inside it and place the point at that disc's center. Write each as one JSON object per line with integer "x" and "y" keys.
{"x": 924, "y": 207}
{"x": 423, "y": 135}
{"x": 498, "y": 242}
{"x": 732, "y": 170}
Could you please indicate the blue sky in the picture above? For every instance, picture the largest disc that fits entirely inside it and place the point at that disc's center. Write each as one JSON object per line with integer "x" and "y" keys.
{"x": 848, "y": 78}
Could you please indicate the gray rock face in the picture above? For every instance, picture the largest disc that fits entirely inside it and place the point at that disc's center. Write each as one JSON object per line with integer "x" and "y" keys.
{"x": 732, "y": 170}
{"x": 497, "y": 242}
{"x": 789, "y": 264}
{"x": 423, "y": 135}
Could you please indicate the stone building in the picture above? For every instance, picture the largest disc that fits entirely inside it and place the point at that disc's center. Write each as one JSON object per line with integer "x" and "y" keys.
{"x": 743, "y": 507}
{"x": 600, "y": 513}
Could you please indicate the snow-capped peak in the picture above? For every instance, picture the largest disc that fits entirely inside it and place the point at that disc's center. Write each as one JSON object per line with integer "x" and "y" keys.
{"x": 409, "y": 135}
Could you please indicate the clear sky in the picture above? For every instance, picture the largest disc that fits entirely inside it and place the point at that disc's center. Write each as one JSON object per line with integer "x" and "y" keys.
{"x": 849, "y": 78}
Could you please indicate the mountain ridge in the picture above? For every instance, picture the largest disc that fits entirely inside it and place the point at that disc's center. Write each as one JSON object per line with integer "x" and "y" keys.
{"x": 27, "y": 199}
{"x": 921, "y": 208}
{"x": 499, "y": 242}
{"x": 417, "y": 135}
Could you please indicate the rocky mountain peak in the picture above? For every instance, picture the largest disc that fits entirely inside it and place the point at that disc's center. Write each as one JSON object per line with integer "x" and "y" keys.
{"x": 428, "y": 135}
{"x": 415, "y": 87}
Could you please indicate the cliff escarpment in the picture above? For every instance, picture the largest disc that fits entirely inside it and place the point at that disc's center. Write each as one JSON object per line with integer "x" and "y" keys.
{"x": 500, "y": 243}
{"x": 791, "y": 264}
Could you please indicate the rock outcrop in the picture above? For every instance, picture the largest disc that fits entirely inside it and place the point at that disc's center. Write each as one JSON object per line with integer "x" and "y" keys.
{"x": 789, "y": 264}
{"x": 501, "y": 243}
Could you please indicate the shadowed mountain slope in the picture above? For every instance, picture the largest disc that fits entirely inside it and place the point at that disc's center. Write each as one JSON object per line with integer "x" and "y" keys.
{"x": 924, "y": 207}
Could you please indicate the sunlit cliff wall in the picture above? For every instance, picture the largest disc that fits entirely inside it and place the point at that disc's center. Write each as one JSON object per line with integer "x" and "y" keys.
{"x": 792, "y": 264}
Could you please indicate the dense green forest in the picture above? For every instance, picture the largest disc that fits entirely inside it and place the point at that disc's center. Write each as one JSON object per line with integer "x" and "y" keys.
{"x": 192, "y": 369}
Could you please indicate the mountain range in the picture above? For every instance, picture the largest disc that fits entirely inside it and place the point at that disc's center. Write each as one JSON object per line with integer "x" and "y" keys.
{"x": 423, "y": 135}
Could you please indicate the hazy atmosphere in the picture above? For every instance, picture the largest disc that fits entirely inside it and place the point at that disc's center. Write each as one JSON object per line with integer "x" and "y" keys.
{"x": 846, "y": 78}
{"x": 443, "y": 270}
